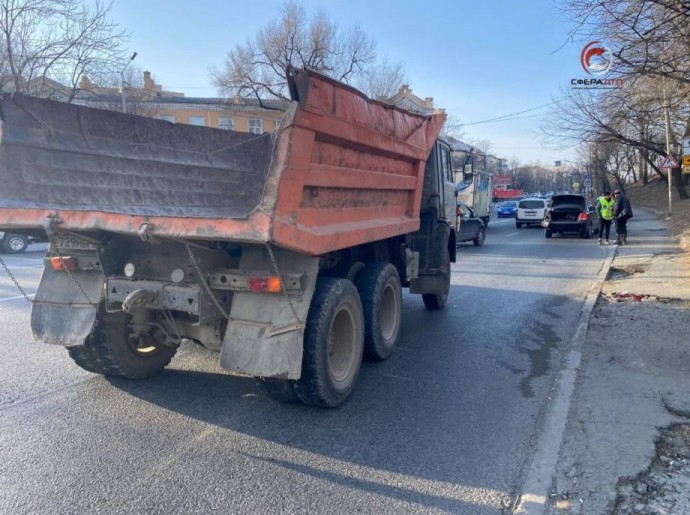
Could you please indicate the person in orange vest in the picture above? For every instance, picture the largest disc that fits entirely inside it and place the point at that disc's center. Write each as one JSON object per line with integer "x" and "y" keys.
{"x": 605, "y": 206}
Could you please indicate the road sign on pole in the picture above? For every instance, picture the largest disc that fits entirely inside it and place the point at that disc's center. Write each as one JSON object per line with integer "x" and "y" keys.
{"x": 669, "y": 162}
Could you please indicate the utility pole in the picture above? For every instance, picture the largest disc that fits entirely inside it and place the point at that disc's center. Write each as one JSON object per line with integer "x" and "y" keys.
{"x": 122, "y": 79}
{"x": 668, "y": 153}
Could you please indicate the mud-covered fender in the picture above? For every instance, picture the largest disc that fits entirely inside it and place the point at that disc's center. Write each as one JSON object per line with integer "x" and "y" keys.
{"x": 61, "y": 313}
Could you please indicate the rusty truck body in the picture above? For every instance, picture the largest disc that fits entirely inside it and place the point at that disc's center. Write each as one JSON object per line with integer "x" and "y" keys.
{"x": 285, "y": 251}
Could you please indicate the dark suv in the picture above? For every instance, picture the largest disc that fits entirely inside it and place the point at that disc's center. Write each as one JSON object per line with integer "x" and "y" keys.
{"x": 571, "y": 214}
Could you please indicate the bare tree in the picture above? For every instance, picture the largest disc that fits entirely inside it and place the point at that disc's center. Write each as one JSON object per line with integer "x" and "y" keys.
{"x": 652, "y": 37}
{"x": 47, "y": 45}
{"x": 483, "y": 145}
{"x": 453, "y": 128}
{"x": 652, "y": 44}
{"x": 257, "y": 67}
{"x": 381, "y": 79}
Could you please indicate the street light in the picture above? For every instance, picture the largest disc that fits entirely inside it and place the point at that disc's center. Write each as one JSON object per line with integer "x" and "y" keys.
{"x": 122, "y": 78}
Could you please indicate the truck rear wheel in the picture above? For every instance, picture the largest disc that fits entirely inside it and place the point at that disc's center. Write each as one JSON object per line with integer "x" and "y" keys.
{"x": 381, "y": 294}
{"x": 438, "y": 301}
{"x": 281, "y": 390}
{"x": 333, "y": 344}
{"x": 121, "y": 353}
{"x": 84, "y": 357}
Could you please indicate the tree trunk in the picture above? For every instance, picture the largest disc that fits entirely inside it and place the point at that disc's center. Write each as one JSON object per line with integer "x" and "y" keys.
{"x": 679, "y": 184}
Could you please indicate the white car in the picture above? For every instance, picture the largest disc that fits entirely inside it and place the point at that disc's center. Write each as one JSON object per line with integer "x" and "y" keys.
{"x": 531, "y": 211}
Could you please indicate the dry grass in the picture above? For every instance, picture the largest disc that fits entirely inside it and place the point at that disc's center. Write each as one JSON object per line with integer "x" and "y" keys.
{"x": 654, "y": 195}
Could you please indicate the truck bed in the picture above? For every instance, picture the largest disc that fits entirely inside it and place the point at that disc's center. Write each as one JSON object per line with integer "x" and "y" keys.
{"x": 339, "y": 171}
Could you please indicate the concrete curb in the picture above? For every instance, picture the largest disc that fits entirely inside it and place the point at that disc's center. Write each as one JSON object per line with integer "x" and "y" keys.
{"x": 534, "y": 494}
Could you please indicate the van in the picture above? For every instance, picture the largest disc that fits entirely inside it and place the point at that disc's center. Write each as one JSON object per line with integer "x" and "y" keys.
{"x": 530, "y": 211}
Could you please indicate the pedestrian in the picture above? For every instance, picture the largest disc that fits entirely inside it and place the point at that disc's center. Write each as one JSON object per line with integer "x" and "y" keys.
{"x": 622, "y": 212}
{"x": 605, "y": 206}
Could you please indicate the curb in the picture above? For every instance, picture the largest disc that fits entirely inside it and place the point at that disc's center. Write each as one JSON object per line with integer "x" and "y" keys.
{"x": 533, "y": 498}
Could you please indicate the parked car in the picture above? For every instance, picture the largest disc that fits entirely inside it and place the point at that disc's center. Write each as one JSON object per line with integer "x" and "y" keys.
{"x": 506, "y": 209}
{"x": 571, "y": 214}
{"x": 530, "y": 212}
{"x": 15, "y": 243}
{"x": 471, "y": 227}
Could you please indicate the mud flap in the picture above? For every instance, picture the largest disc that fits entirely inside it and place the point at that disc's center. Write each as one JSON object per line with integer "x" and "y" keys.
{"x": 263, "y": 337}
{"x": 61, "y": 314}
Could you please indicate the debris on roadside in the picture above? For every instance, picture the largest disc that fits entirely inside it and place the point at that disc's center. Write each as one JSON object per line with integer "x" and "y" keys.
{"x": 624, "y": 296}
{"x": 665, "y": 486}
{"x": 623, "y": 272}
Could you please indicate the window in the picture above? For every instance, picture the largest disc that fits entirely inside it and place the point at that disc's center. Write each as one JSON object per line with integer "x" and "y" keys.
{"x": 255, "y": 126}
{"x": 196, "y": 120}
{"x": 445, "y": 165}
{"x": 227, "y": 123}
{"x": 532, "y": 204}
{"x": 167, "y": 117}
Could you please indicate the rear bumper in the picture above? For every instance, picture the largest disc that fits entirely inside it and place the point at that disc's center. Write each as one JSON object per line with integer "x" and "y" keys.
{"x": 565, "y": 226}
{"x": 536, "y": 221}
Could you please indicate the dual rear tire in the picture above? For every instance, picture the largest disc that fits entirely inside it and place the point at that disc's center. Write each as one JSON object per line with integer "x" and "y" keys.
{"x": 345, "y": 324}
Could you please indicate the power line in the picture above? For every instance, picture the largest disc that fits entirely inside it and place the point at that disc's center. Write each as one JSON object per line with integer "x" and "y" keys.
{"x": 509, "y": 116}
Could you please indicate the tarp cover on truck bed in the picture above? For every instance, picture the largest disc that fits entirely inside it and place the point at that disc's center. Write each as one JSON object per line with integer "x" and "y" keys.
{"x": 341, "y": 170}
{"x": 62, "y": 156}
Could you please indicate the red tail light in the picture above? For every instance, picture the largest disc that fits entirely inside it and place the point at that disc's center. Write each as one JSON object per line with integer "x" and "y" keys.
{"x": 60, "y": 264}
{"x": 582, "y": 217}
{"x": 269, "y": 284}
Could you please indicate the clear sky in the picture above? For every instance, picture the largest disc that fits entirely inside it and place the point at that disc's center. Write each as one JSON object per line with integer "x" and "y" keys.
{"x": 478, "y": 59}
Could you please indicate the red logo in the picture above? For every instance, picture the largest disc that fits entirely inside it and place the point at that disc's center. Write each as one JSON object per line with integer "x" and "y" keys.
{"x": 596, "y": 59}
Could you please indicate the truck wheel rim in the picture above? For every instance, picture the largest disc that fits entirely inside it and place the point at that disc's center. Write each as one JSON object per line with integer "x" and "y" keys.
{"x": 145, "y": 345}
{"x": 389, "y": 312}
{"x": 341, "y": 344}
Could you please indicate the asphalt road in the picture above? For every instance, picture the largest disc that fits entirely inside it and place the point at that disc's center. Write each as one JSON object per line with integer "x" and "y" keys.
{"x": 447, "y": 424}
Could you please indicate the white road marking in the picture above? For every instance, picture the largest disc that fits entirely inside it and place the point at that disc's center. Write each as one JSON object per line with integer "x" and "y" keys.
{"x": 511, "y": 234}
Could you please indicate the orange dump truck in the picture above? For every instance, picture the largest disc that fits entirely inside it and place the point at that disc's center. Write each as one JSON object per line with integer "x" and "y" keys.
{"x": 285, "y": 251}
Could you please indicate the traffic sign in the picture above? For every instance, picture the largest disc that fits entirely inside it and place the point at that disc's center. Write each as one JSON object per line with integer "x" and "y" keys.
{"x": 669, "y": 162}
{"x": 686, "y": 160}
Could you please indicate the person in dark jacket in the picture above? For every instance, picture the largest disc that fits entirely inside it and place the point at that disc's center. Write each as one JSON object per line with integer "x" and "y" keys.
{"x": 622, "y": 211}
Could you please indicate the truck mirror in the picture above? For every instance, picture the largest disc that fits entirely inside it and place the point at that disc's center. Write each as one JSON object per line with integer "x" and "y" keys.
{"x": 467, "y": 171}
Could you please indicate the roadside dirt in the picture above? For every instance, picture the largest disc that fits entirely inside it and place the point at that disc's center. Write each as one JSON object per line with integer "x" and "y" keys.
{"x": 627, "y": 449}
{"x": 665, "y": 486}
{"x": 654, "y": 196}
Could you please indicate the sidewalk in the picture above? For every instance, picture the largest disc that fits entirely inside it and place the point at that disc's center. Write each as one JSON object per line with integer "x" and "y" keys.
{"x": 633, "y": 384}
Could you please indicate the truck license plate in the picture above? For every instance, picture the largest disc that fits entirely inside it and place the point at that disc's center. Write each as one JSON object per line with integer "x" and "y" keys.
{"x": 64, "y": 241}
{"x": 531, "y": 213}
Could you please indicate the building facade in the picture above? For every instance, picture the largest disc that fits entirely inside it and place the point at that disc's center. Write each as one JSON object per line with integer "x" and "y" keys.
{"x": 237, "y": 113}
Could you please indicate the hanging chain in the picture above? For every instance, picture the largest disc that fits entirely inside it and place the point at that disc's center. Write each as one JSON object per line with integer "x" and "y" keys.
{"x": 282, "y": 284}
{"x": 74, "y": 280}
{"x": 14, "y": 280}
{"x": 202, "y": 281}
{"x": 69, "y": 273}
